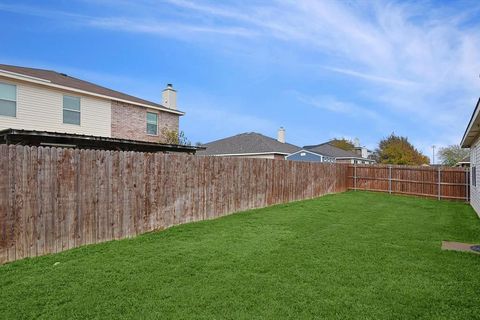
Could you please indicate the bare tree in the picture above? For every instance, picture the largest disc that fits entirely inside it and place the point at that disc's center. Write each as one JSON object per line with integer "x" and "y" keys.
{"x": 451, "y": 155}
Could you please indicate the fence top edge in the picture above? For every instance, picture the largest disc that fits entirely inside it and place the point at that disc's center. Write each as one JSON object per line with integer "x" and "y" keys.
{"x": 407, "y": 167}
{"x": 167, "y": 154}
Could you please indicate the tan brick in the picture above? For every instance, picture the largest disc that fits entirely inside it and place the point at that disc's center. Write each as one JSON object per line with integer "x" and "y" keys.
{"x": 130, "y": 122}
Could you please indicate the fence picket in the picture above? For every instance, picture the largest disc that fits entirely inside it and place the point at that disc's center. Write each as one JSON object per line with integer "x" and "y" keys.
{"x": 53, "y": 199}
{"x": 440, "y": 183}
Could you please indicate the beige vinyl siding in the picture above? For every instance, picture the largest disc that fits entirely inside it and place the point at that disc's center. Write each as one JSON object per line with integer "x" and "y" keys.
{"x": 475, "y": 190}
{"x": 41, "y": 108}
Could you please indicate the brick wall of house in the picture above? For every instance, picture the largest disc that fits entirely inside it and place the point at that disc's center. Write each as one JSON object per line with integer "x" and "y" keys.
{"x": 130, "y": 122}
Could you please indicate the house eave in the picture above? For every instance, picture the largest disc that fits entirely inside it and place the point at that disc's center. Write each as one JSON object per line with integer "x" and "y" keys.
{"x": 473, "y": 128}
{"x": 245, "y": 154}
{"x": 44, "y": 82}
{"x": 355, "y": 158}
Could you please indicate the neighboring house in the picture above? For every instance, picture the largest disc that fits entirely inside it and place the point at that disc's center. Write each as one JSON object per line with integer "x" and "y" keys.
{"x": 471, "y": 139}
{"x": 464, "y": 163}
{"x": 250, "y": 145}
{"x": 363, "y": 152}
{"x": 310, "y": 156}
{"x": 326, "y": 152}
{"x": 45, "y": 100}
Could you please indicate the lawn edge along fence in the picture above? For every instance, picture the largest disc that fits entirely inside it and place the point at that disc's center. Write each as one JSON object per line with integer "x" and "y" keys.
{"x": 435, "y": 182}
{"x": 54, "y": 199}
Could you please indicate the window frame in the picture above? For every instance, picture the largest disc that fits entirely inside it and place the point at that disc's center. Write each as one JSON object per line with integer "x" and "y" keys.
{"x": 156, "y": 123}
{"x": 16, "y": 99}
{"x": 474, "y": 176}
{"x": 72, "y": 110}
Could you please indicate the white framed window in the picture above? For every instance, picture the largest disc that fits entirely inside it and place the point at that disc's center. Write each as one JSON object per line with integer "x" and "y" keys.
{"x": 71, "y": 110}
{"x": 8, "y": 100}
{"x": 152, "y": 123}
{"x": 474, "y": 176}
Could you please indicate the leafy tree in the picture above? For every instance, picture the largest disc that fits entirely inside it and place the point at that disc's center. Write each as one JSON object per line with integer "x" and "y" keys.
{"x": 398, "y": 150}
{"x": 174, "y": 137}
{"x": 449, "y": 156}
{"x": 342, "y": 143}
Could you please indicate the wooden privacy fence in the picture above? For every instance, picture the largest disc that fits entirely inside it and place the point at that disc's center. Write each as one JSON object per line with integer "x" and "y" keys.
{"x": 436, "y": 182}
{"x": 54, "y": 199}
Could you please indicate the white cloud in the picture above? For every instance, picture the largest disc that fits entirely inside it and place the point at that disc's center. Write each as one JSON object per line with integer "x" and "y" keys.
{"x": 165, "y": 28}
{"x": 370, "y": 77}
{"x": 420, "y": 61}
{"x": 333, "y": 104}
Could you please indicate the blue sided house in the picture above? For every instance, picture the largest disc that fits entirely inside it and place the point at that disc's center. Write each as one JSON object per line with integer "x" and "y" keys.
{"x": 326, "y": 152}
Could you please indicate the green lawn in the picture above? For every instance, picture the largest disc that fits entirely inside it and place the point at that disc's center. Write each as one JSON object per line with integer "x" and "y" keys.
{"x": 355, "y": 255}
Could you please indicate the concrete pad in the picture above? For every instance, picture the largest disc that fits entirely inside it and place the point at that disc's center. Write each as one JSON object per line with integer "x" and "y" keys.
{"x": 458, "y": 246}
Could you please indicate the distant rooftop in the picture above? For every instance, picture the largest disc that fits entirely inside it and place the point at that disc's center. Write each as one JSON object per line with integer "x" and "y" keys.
{"x": 246, "y": 143}
{"x": 466, "y": 159}
{"x": 329, "y": 150}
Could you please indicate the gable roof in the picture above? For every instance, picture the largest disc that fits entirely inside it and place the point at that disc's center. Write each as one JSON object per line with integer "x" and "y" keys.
{"x": 327, "y": 149}
{"x": 50, "y": 77}
{"x": 247, "y": 143}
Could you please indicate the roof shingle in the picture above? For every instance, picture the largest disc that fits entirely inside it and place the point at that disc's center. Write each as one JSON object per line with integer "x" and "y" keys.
{"x": 74, "y": 83}
{"x": 247, "y": 143}
{"x": 327, "y": 149}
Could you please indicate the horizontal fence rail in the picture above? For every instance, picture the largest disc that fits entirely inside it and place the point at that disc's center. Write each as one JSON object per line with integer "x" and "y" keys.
{"x": 435, "y": 182}
{"x": 54, "y": 199}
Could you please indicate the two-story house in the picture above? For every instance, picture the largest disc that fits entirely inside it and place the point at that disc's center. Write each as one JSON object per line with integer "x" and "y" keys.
{"x": 48, "y": 101}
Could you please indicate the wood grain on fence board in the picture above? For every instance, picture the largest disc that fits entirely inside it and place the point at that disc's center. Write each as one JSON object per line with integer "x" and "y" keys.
{"x": 435, "y": 182}
{"x": 54, "y": 199}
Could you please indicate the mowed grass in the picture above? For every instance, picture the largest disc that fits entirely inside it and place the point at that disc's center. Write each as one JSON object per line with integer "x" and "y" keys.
{"x": 355, "y": 255}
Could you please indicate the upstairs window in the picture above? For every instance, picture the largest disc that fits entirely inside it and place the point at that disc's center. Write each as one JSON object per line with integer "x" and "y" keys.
{"x": 152, "y": 123}
{"x": 8, "y": 100}
{"x": 71, "y": 110}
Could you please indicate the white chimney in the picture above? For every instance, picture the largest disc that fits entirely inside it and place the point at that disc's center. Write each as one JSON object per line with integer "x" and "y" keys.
{"x": 356, "y": 142}
{"x": 281, "y": 135}
{"x": 169, "y": 97}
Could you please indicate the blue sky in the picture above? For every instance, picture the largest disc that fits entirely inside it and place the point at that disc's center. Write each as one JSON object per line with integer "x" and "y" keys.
{"x": 321, "y": 69}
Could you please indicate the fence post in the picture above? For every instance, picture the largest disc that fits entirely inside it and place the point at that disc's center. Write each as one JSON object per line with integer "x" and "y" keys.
{"x": 467, "y": 183}
{"x": 439, "y": 177}
{"x": 390, "y": 179}
{"x": 354, "y": 177}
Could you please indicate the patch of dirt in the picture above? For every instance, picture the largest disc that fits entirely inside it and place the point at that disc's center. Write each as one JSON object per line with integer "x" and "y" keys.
{"x": 459, "y": 246}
